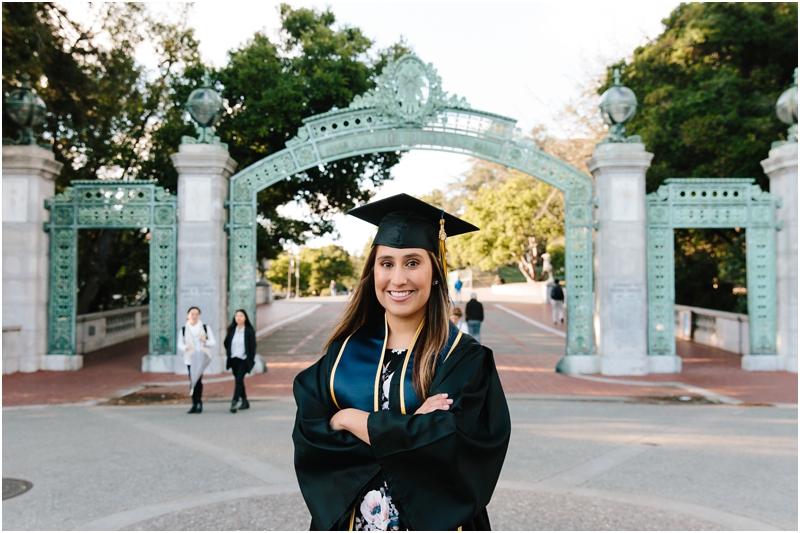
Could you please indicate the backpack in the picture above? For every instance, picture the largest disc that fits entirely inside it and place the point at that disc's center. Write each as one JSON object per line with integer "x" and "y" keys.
{"x": 556, "y": 293}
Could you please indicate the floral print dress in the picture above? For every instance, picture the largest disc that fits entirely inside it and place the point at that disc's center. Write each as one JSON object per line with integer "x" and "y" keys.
{"x": 377, "y": 512}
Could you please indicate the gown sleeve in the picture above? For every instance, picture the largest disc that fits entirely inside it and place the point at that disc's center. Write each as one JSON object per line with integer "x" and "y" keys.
{"x": 331, "y": 466}
{"x": 443, "y": 466}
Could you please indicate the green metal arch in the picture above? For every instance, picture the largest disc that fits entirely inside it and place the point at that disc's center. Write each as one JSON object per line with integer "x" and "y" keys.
{"x": 711, "y": 203}
{"x": 408, "y": 110}
{"x": 132, "y": 204}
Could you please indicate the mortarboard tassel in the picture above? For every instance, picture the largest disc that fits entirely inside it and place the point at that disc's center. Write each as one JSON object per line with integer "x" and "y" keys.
{"x": 442, "y": 248}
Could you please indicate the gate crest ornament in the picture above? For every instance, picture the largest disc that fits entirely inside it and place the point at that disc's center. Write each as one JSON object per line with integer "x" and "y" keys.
{"x": 409, "y": 91}
{"x": 409, "y": 110}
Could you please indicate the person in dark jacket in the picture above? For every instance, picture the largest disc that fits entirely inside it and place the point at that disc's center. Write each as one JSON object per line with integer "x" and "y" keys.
{"x": 240, "y": 344}
{"x": 474, "y": 316}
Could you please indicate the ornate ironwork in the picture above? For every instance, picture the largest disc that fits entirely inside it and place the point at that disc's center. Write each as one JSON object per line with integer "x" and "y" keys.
{"x": 711, "y": 203}
{"x": 408, "y": 110}
{"x": 112, "y": 204}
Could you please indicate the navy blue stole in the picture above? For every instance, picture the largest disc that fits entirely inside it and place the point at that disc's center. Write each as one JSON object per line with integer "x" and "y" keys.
{"x": 356, "y": 375}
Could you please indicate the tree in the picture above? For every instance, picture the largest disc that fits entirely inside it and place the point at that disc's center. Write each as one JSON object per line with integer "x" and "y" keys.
{"x": 318, "y": 266}
{"x": 271, "y": 86}
{"x": 103, "y": 107}
{"x": 707, "y": 87}
{"x": 517, "y": 218}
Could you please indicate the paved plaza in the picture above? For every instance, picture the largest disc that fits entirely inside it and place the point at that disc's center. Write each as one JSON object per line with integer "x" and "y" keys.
{"x": 712, "y": 448}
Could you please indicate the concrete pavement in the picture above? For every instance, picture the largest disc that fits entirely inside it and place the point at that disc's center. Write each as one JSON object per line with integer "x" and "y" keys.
{"x": 600, "y": 465}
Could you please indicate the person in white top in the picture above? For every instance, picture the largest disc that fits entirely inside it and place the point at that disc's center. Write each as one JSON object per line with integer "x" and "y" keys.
{"x": 193, "y": 336}
{"x": 240, "y": 344}
{"x": 458, "y": 319}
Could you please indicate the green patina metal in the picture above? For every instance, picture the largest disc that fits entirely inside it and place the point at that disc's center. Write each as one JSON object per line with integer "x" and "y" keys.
{"x": 409, "y": 110}
{"x": 711, "y": 203}
{"x": 92, "y": 204}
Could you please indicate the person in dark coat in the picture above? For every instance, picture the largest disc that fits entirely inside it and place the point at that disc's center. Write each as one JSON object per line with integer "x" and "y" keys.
{"x": 474, "y": 312}
{"x": 240, "y": 344}
{"x": 403, "y": 423}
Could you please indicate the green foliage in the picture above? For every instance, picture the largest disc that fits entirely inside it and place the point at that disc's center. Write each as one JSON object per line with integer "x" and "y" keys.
{"x": 271, "y": 86}
{"x": 318, "y": 266}
{"x": 707, "y": 88}
{"x": 515, "y": 216}
{"x": 709, "y": 264}
{"x": 558, "y": 256}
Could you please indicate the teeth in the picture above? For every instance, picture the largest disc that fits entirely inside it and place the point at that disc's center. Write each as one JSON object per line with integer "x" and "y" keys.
{"x": 399, "y": 294}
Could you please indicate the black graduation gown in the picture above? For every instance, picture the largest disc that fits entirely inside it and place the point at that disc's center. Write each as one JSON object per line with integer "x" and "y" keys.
{"x": 442, "y": 467}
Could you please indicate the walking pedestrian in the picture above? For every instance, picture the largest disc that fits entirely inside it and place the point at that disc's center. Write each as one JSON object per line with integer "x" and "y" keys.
{"x": 403, "y": 423}
{"x": 332, "y": 288}
{"x": 195, "y": 340}
{"x": 458, "y": 286}
{"x": 458, "y": 319}
{"x": 240, "y": 345}
{"x": 557, "y": 301}
{"x": 474, "y": 316}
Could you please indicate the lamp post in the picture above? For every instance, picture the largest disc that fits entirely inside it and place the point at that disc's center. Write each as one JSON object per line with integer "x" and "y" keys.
{"x": 786, "y": 109}
{"x": 617, "y": 106}
{"x": 205, "y": 107}
{"x": 289, "y": 281}
{"x": 27, "y": 110}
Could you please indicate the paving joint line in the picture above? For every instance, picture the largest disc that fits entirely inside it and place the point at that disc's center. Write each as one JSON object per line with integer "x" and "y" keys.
{"x": 532, "y": 322}
{"x": 277, "y": 325}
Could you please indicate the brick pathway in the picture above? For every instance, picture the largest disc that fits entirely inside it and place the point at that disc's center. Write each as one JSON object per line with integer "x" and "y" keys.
{"x": 525, "y": 355}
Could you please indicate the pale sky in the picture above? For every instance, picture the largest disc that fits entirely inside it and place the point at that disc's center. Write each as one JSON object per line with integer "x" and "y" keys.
{"x": 520, "y": 59}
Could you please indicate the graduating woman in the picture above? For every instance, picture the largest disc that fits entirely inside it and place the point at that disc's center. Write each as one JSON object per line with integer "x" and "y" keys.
{"x": 403, "y": 423}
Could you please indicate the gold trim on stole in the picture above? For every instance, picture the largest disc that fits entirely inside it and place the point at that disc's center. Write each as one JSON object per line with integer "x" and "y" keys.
{"x": 405, "y": 367}
{"x": 333, "y": 371}
{"x": 376, "y": 395}
{"x": 453, "y": 347}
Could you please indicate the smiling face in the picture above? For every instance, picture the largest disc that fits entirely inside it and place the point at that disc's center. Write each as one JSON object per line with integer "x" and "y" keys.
{"x": 403, "y": 278}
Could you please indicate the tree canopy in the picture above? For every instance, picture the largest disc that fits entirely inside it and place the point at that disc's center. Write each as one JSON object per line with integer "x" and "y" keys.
{"x": 707, "y": 88}
{"x": 318, "y": 266}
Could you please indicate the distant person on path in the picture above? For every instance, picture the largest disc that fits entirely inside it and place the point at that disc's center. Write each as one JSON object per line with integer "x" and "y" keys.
{"x": 458, "y": 319}
{"x": 557, "y": 301}
{"x": 474, "y": 316}
{"x": 403, "y": 423}
{"x": 458, "y": 286}
{"x": 192, "y": 337}
{"x": 240, "y": 345}
{"x": 332, "y": 288}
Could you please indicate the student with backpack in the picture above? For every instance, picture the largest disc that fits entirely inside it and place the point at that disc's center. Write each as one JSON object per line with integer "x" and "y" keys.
{"x": 195, "y": 336}
{"x": 557, "y": 301}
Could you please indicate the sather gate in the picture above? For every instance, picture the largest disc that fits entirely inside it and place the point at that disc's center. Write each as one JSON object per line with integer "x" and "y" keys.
{"x": 711, "y": 203}
{"x": 409, "y": 110}
{"x": 94, "y": 204}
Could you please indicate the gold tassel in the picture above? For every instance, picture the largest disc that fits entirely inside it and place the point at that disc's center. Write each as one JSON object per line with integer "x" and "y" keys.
{"x": 442, "y": 247}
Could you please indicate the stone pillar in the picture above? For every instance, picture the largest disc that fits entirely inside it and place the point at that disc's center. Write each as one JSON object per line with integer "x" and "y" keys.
{"x": 781, "y": 167}
{"x": 620, "y": 262}
{"x": 203, "y": 172}
{"x": 29, "y": 174}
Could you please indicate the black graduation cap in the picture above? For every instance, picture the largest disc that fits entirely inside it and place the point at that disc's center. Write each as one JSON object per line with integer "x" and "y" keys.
{"x": 406, "y": 222}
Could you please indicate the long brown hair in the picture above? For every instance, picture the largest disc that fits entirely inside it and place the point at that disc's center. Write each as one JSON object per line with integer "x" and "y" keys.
{"x": 364, "y": 306}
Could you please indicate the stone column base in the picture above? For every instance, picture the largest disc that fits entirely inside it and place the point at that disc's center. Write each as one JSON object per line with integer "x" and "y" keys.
{"x": 624, "y": 366}
{"x": 664, "y": 364}
{"x": 579, "y": 364}
{"x": 766, "y": 363}
{"x": 58, "y": 362}
{"x": 158, "y": 363}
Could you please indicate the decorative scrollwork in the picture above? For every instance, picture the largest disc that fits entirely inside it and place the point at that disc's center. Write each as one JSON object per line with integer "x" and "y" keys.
{"x": 118, "y": 204}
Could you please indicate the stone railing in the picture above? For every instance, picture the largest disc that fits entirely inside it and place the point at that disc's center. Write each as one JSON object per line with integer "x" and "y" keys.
{"x": 98, "y": 330}
{"x": 727, "y": 331}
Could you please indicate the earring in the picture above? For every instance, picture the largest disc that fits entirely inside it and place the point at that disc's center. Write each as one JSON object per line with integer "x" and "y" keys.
{"x": 436, "y": 282}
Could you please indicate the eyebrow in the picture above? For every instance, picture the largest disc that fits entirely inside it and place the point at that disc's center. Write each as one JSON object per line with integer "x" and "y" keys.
{"x": 407, "y": 256}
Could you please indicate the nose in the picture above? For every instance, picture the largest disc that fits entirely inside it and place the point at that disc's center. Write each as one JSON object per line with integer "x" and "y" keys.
{"x": 399, "y": 277}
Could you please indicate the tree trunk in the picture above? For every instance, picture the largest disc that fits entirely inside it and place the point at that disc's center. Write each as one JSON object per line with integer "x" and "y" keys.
{"x": 98, "y": 272}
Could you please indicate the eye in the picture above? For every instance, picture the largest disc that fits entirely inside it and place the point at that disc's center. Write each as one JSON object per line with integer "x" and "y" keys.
{"x": 412, "y": 263}
{"x": 386, "y": 264}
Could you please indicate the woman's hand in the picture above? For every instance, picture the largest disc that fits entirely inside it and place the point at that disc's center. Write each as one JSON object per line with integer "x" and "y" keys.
{"x": 203, "y": 338}
{"x": 438, "y": 402}
{"x": 351, "y": 420}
